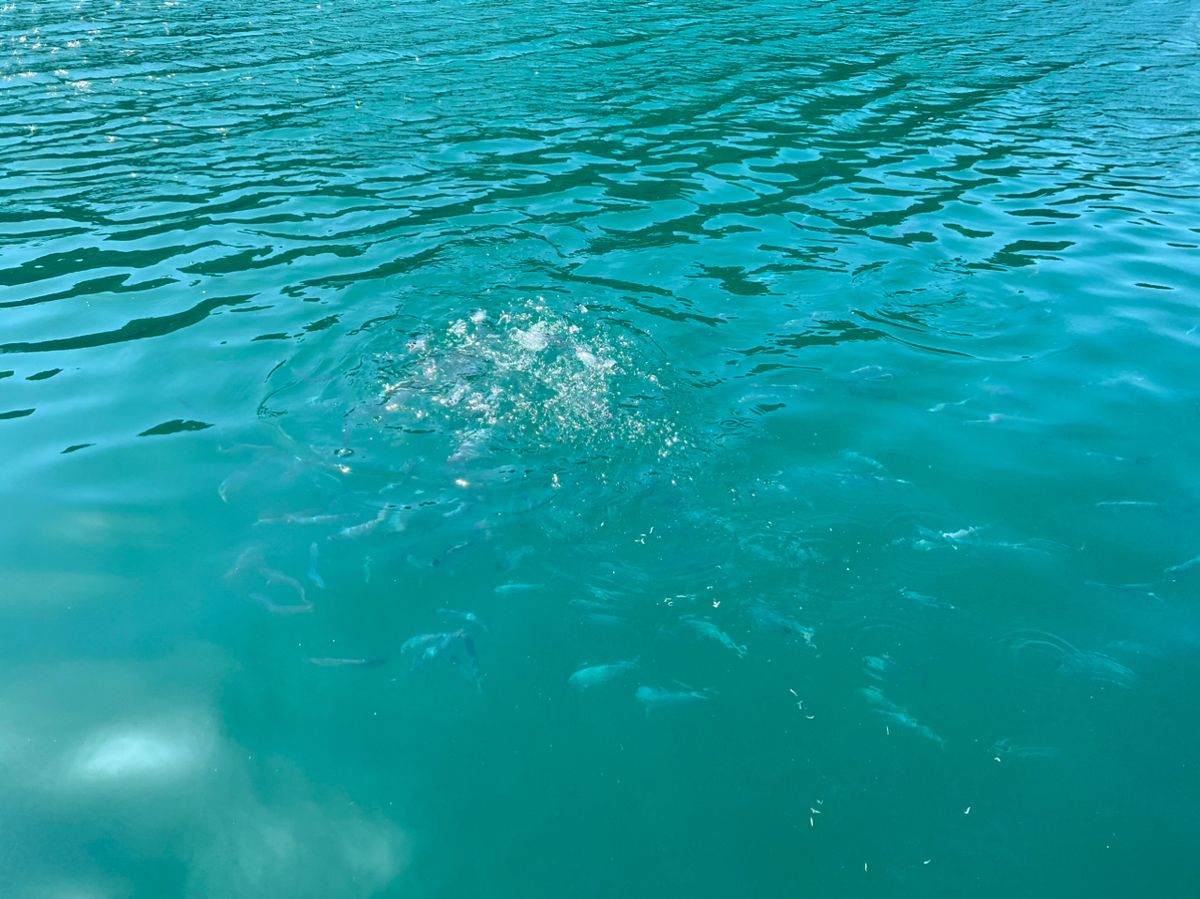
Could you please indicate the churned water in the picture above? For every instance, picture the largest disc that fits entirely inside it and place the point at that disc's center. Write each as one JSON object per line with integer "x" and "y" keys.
{"x": 507, "y": 449}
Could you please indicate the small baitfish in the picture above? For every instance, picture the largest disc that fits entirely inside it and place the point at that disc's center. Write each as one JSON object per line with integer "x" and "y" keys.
{"x": 709, "y": 631}
{"x": 458, "y": 647}
{"x": 654, "y": 698}
{"x": 595, "y": 675}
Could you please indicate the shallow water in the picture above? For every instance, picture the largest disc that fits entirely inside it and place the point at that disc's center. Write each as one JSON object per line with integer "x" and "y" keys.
{"x": 827, "y": 370}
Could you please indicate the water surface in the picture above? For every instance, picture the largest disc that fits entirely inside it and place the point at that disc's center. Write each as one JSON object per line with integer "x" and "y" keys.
{"x": 819, "y": 379}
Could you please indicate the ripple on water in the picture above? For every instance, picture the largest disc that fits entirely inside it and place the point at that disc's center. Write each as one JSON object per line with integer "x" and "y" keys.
{"x": 874, "y": 247}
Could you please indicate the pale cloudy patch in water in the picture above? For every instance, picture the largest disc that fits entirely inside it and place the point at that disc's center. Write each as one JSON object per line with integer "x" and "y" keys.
{"x": 155, "y": 750}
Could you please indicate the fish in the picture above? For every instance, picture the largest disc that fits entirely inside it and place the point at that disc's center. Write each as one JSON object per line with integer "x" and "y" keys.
{"x": 1038, "y": 651}
{"x": 446, "y": 553}
{"x": 765, "y": 618}
{"x": 459, "y": 615}
{"x": 281, "y": 609}
{"x": 924, "y": 599}
{"x": 289, "y": 518}
{"x": 314, "y": 554}
{"x": 427, "y": 646}
{"x": 1008, "y": 749}
{"x": 590, "y": 604}
{"x": 249, "y": 559}
{"x": 878, "y": 666}
{"x": 595, "y": 675}
{"x": 855, "y": 456}
{"x": 471, "y": 660}
{"x": 331, "y": 662}
{"x": 710, "y": 631}
{"x": 897, "y": 714}
{"x": 1098, "y": 668}
{"x": 458, "y": 647}
{"x": 1184, "y": 566}
{"x": 252, "y": 559}
{"x": 274, "y": 576}
{"x": 361, "y": 530}
{"x": 655, "y": 698}
{"x": 233, "y": 482}
{"x": 517, "y": 587}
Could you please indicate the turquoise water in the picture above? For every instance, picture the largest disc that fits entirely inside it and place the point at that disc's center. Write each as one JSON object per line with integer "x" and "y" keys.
{"x": 827, "y": 371}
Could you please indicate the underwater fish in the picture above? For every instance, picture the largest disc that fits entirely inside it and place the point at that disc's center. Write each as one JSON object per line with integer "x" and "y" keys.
{"x": 516, "y": 587}
{"x": 655, "y": 698}
{"x": 290, "y": 518}
{"x": 281, "y": 609}
{"x": 331, "y": 662}
{"x": 1098, "y": 668}
{"x": 595, "y": 675}
{"x": 1008, "y": 749}
{"x": 855, "y": 456}
{"x": 458, "y": 647}
{"x": 234, "y": 482}
{"x": 898, "y": 715}
{"x": 248, "y": 559}
{"x": 361, "y": 530}
{"x": 274, "y": 576}
{"x": 878, "y": 666}
{"x": 590, "y": 604}
{"x": 709, "y": 631}
{"x": 765, "y": 618}
{"x": 459, "y": 615}
{"x": 447, "y": 553}
{"x": 1040, "y": 652}
{"x": 1184, "y": 566}
{"x": 426, "y": 646}
{"x": 252, "y": 559}
{"x": 924, "y": 599}
{"x": 314, "y": 556}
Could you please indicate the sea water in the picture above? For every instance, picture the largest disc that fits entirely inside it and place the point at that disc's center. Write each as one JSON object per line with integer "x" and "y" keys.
{"x": 507, "y": 449}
